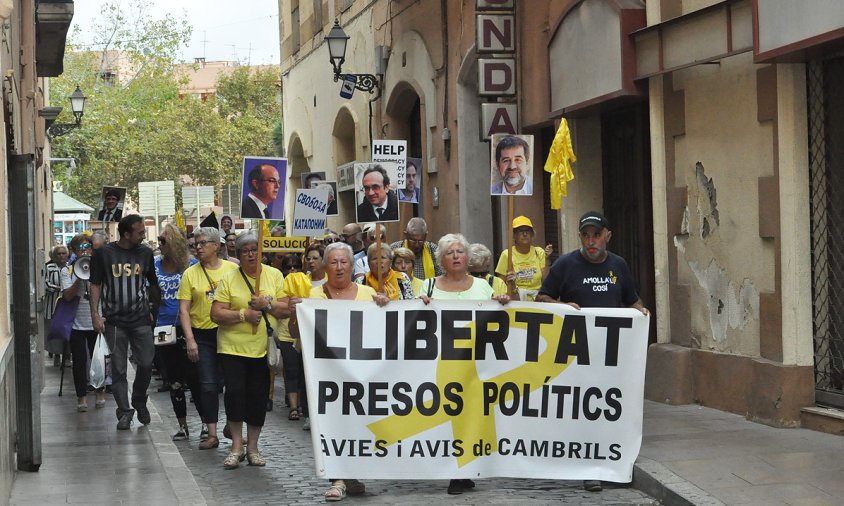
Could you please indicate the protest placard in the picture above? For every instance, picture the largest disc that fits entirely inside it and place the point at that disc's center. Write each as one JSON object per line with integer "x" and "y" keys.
{"x": 309, "y": 211}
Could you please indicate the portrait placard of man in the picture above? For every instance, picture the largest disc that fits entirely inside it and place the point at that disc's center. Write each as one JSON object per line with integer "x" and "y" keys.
{"x": 311, "y": 179}
{"x": 412, "y": 180}
{"x": 377, "y": 198}
{"x": 263, "y": 188}
{"x": 332, "y": 196}
{"x": 111, "y": 206}
{"x": 512, "y": 165}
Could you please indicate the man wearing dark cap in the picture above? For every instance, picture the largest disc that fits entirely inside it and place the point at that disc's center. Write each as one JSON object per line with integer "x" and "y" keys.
{"x": 591, "y": 276}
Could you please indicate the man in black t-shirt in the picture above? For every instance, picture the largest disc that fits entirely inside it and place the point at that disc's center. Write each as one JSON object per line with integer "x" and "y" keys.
{"x": 124, "y": 285}
{"x": 591, "y": 277}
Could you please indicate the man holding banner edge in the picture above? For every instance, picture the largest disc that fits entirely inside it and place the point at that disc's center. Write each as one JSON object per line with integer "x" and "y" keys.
{"x": 591, "y": 276}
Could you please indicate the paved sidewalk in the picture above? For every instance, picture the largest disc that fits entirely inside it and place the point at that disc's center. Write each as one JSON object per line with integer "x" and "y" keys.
{"x": 697, "y": 455}
{"x": 86, "y": 460}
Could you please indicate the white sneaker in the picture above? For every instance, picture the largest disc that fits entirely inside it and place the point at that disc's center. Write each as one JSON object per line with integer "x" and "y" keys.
{"x": 307, "y": 424}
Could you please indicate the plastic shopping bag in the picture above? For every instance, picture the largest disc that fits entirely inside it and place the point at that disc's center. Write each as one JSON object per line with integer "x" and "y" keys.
{"x": 98, "y": 362}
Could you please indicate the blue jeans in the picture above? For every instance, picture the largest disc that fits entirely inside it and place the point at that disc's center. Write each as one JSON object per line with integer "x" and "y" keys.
{"x": 119, "y": 339}
{"x": 209, "y": 374}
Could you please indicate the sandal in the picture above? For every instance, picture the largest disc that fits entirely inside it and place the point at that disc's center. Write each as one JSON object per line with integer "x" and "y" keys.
{"x": 293, "y": 415}
{"x": 336, "y": 492}
{"x": 233, "y": 460}
{"x": 256, "y": 459}
{"x": 209, "y": 443}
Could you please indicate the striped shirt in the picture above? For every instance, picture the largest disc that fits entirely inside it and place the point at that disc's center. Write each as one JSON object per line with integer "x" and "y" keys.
{"x": 125, "y": 276}
{"x": 82, "y": 321}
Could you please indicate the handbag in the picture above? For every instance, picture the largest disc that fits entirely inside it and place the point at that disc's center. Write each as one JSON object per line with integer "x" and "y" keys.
{"x": 62, "y": 322}
{"x": 274, "y": 354}
{"x": 165, "y": 335}
{"x": 97, "y": 372}
{"x": 273, "y": 345}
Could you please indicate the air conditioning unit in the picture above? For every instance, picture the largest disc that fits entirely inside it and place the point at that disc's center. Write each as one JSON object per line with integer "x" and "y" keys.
{"x": 346, "y": 177}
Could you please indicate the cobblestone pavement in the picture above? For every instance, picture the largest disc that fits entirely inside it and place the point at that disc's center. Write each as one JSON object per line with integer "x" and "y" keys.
{"x": 289, "y": 475}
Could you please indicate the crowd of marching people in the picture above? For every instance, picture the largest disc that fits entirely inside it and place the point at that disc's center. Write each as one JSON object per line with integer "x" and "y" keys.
{"x": 227, "y": 305}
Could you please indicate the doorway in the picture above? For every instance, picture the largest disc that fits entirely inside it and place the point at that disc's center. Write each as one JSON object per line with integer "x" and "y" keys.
{"x": 625, "y": 142}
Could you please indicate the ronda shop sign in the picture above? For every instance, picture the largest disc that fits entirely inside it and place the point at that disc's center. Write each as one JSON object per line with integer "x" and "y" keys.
{"x": 495, "y": 41}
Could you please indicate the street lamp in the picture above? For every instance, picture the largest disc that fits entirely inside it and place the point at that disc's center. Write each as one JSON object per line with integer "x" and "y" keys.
{"x": 77, "y": 105}
{"x": 337, "y": 40}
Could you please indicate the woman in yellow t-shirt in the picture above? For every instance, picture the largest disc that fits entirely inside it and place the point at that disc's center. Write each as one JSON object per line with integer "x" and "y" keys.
{"x": 246, "y": 317}
{"x": 529, "y": 262}
{"x": 196, "y": 292}
{"x": 296, "y": 284}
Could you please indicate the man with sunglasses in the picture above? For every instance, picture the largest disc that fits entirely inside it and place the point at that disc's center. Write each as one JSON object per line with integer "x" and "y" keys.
{"x": 264, "y": 186}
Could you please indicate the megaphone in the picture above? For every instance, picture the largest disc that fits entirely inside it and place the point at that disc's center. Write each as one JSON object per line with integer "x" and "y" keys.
{"x": 82, "y": 267}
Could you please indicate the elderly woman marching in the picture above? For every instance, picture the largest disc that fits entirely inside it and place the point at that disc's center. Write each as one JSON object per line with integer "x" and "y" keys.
{"x": 394, "y": 284}
{"x": 456, "y": 283}
{"x": 480, "y": 261}
{"x": 339, "y": 265}
{"x": 404, "y": 261}
{"x": 196, "y": 293}
{"x": 246, "y": 318}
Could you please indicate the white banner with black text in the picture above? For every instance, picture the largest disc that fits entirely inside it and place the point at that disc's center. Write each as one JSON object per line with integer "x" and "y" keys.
{"x": 473, "y": 389}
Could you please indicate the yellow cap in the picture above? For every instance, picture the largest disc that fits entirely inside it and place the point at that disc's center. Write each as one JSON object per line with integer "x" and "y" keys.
{"x": 522, "y": 221}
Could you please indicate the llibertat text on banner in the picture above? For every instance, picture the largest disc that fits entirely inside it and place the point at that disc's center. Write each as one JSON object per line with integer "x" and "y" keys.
{"x": 473, "y": 389}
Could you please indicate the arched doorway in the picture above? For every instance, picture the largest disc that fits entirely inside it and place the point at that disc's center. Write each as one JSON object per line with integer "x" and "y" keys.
{"x": 344, "y": 136}
{"x": 404, "y": 113}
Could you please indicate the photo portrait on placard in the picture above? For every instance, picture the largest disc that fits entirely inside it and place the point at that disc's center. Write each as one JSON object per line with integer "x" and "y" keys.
{"x": 111, "y": 203}
{"x": 263, "y": 188}
{"x": 310, "y": 179}
{"x": 412, "y": 182}
{"x": 512, "y": 165}
{"x": 376, "y": 198}
{"x": 332, "y": 196}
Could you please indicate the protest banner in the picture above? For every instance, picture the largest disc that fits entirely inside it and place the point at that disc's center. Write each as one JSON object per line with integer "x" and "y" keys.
{"x": 395, "y": 152}
{"x": 309, "y": 212}
{"x": 463, "y": 389}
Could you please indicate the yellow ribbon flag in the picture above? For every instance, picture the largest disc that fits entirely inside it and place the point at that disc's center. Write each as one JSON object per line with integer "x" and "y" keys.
{"x": 560, "y": 158}
{"x": 180, "y": 221}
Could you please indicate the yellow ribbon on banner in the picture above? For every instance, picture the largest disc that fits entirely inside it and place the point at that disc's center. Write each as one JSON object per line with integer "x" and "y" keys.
{"x": 560, "y": 158}
{"x": 471, "y": 425}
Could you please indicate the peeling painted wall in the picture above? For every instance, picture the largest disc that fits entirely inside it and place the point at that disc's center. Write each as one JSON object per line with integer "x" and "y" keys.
{"x": 720, "y": 255}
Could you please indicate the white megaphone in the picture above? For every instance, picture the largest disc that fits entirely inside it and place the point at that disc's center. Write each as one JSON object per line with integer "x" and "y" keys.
{"x": 82, "y": 267}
